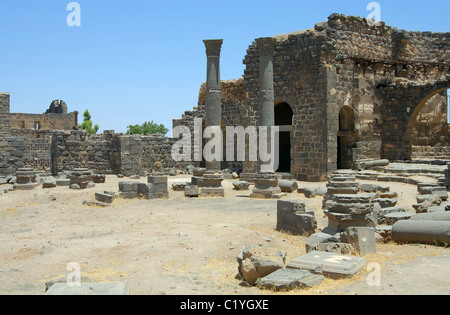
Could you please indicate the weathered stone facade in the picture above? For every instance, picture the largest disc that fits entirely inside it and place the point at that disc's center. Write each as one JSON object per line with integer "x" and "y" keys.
{"x": 4, "y": 114}
{"x": 55, "y": 118}
{"x": 344, "y": 91}
{"x": 112, "y": 153}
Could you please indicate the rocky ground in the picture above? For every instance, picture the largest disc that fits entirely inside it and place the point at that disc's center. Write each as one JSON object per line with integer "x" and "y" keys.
{"x": 181, "y": 246}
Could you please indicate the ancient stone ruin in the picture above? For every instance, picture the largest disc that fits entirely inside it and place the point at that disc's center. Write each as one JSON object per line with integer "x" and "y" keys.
{"x": 351, "y": 101}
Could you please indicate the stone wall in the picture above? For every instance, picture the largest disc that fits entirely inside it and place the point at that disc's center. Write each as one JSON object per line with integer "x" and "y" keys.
{"x": 77, "y": 149}
{"x": 300, "y": 80}
{"x": 25, "y": 148}
{"x": 11, "y": 154}
{"x": 380, "y": 76}
{"x": 369, "y": 60}
{"x": 51, "y": 121}
{"x": 4, "y": 114}
{"x": 112, "y": 153}
{"x": 36, "y": 153}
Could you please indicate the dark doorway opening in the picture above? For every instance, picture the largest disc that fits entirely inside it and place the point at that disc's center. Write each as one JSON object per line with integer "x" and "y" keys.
{"x": 346, "y": 138}
{"x": 283, "y": 119}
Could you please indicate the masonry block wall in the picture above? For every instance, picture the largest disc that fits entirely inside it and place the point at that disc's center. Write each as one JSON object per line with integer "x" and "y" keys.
{"x": 4, "y": 113}
{"x": 112, "y": 153}
{"x": 51, "y": 121}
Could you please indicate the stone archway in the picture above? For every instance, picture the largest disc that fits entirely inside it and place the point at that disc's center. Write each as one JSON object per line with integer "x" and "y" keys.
{"x": 427, "y": 131}
{"x": 346, "y": 138}
{"x": 402, "y": 106}
{"x": 283, "y": 118}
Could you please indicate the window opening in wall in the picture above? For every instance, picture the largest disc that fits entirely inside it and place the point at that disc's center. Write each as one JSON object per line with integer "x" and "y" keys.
{"x": 37, "y": 125}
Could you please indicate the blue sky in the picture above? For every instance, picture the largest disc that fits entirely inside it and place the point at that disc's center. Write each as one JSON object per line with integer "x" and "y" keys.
{"x": 138, "y": 60}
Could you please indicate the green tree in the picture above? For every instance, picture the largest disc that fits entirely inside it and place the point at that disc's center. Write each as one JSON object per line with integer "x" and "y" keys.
{"x": 147, "y": 128}
{"x": 87, "y": 124}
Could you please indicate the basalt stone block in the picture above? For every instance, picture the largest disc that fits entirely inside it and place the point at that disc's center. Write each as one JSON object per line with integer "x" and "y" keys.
{"x": 342, "y": 190}
{"x": 241, "y": 185}
{"x": 102, "y": 197}
{"x": 385, "y": 203}
{"x": 179, "y": 186}
{"x": 197, "y": 181}
{"x": 98, "y": 178}
{"x": 191, "y": 191}
{"x": 157, "y": 180}
{"x": 358, "y": 198}
{"x": 342, "y": 177}
{"x": 394, "y": 217}
{"x": 48, "y": 183}
{"x": 385, "y": 232}
{"x": 63, "y": 182}
{"x": 287, "y": 186}
{"x": 212, "y": 185}
{"x": 331, "y": 265}
{"x": 343, "y": 184}
{"x": 266, "y": 186}
{"x": 339, "y": 222}
{"x": 290, "y": 206}
{"x": 258, "y": 262}
{"x": 388, "y": 195}
{"x": 80, "y": 179}
{"x": 291, "y": 217}
{"x": 311, "y": 192}
{"x": 318, "y": 238}
{"x": 362, "y": 238}
{"x": 380, "y": 213}
{"x": 290, "y": 279}
{"x": 358, "y": 209}
{"x": 86, "y": 185}
{"x": 335, "y": 247}
{"x": 129, "y": 186}
{"x": 199, "y": 171}
{"x": 153, "y": 191}
{"x": 372, "y": 188}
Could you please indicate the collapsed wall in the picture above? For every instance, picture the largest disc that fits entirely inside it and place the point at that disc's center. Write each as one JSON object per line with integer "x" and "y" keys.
{"x": 112, "y": 153}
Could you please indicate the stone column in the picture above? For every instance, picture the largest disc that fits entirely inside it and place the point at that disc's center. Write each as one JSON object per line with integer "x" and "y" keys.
{"x": 266, "y": 47}
{"x": 266, "y": 100}
{"x": 213, "y": 92}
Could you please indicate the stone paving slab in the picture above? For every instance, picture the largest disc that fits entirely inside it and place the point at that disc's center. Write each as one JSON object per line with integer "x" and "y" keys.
{"x": 290, "y": 279}
{"x": 329, "y": 264}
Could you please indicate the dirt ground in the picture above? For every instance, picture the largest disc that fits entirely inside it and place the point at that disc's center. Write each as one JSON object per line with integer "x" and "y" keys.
{"x": 180, "y": 246}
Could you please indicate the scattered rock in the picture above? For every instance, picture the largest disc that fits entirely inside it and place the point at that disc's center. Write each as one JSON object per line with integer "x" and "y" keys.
{"x": 257, "y": 262}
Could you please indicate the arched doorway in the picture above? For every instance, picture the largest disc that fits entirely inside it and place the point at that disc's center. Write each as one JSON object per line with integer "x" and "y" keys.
{"x": 428, "y": 131}
{"x": 346, "y": 138}
{"x": 283, "y": 119}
